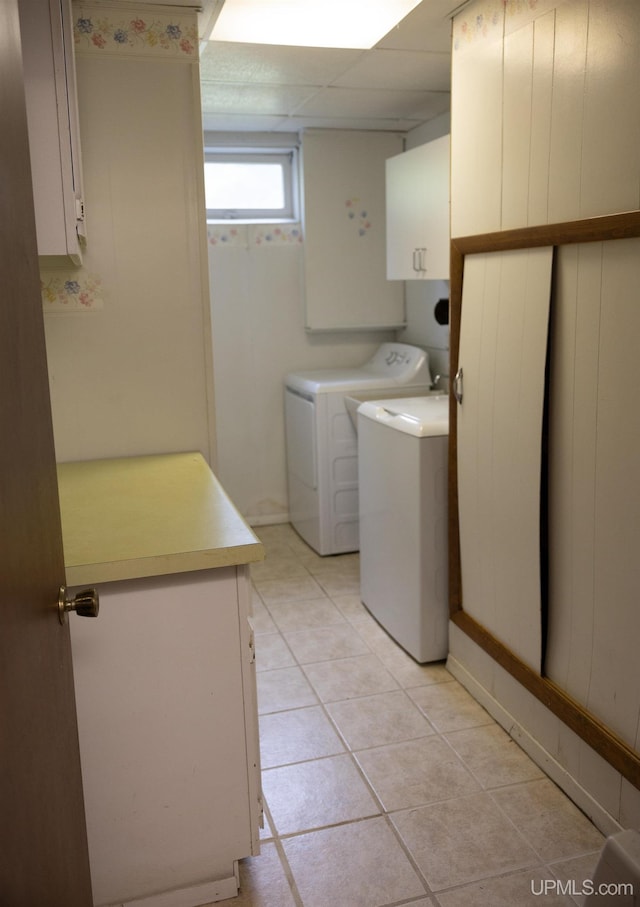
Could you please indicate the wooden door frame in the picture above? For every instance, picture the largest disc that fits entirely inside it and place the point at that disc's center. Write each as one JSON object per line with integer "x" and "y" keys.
{"x": 595, "y": 733}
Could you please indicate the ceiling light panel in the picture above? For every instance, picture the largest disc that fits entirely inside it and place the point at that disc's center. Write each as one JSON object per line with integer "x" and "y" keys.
{"x": 310, "y": 23}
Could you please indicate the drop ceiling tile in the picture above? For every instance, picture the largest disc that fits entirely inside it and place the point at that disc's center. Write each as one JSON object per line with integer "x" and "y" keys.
{"x": 264, "y": 100}
{"x": 231, "y": 122}
{"x": 400, "y": 84}
{"x": 427, "y": 27}
{"x": 434, "y": 103}
{"x": 348, "y": 102}
{"x": 263, "y": 63}
{"x": 373, "y": 124}
{"x": 397, "y": 69}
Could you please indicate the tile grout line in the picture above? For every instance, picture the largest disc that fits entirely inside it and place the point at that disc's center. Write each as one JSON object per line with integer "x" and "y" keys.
{"x": 384, "y": 814}
{"x": 401, "y": 686}
{"x": 282, "y": 856}
{"x": 381, "y": 811}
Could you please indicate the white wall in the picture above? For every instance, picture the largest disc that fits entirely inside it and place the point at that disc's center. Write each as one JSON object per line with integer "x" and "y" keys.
{"x": 129, "y": 357}
{"x": 258, "y": 337}
{"x": 421, "y": 297}
{"x": 257, "y": 304}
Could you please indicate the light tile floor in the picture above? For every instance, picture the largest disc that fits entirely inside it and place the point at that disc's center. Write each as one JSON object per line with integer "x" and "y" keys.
{"x": 384, "y": 782}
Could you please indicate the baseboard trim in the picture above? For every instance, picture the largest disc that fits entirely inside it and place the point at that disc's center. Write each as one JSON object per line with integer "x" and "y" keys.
{"x": 271, "y": 519}
{"x": 194, "y": 896}
{"x": 543, "y": 759}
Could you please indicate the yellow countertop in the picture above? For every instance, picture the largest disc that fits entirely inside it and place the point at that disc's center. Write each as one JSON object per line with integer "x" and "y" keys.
{"x": 148, "y": 516}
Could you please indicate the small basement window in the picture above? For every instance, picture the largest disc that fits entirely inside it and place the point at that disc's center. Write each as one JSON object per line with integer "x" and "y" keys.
{"x": 250, "y": 185}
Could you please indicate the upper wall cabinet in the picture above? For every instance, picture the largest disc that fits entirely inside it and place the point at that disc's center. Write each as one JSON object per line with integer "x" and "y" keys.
{"x": 418, "y": 213}
{"x": 50, "y": 89}
{"x": 344, "y": 235}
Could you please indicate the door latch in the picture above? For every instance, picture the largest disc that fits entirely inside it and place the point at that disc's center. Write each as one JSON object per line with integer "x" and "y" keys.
{"x": 458, "y": 386}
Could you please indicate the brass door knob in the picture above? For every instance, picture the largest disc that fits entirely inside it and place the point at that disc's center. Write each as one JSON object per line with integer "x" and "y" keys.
{"x": 85, "y": 603}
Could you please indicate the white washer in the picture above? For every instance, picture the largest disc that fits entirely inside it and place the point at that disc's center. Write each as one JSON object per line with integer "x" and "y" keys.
{"x": 321, "y": 441}
{"x": 402, "y": 456}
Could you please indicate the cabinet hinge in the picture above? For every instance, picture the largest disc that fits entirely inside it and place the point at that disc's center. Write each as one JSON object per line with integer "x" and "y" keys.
{"x": 80, "y": 209}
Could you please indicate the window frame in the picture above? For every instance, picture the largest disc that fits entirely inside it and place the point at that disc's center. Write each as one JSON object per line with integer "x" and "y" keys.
{"x": 286, "y": 157}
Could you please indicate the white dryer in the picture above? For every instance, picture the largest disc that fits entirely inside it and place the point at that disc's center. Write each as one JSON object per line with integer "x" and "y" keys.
{"x": 321, "y": 441}
{"x": 402, "y": 446}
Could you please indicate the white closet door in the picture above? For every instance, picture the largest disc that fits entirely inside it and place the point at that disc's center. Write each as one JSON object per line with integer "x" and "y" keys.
{"x": 594, "y": 620}
{"x": 503, "y": 347}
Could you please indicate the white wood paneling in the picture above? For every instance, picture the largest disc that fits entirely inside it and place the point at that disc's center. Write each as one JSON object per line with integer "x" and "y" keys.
{"x": 595, "y": 501}
{"x": 610, "y": 170}
{"x": 584, "y": 161}
{"x": 545, "y": 121}
{"x": 517, "y": 114}
{"x": 540, "y": 136}
{"x": 567, "y": 110}
{"x": 615, "y": 686}
{"x": 574, "y": 388}
{"x": 476, "y": 127}
{"x": 503, "y": 345}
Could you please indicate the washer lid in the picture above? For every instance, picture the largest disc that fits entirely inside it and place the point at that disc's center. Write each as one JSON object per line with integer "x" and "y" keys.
{"x": 392, "y": 364}
{"x": 422, "y": 417}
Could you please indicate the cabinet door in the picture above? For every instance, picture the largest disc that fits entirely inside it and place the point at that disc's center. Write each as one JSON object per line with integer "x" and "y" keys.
{"x": 344, "y": 223}
{"x": 418, "y": 213}
{"x": 167, "y": 719}
{"x": 47, "y": 41}
{"x": 503, "y": 350}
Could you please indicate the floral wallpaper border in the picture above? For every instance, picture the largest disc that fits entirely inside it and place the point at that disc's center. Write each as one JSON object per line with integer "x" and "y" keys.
{"x": 76, "y": 292}
{"x": 487, "y": 19}
{"x": 244, "y": 235}
{"x": 483, "y": 25}
{"x": 97, "y": 30}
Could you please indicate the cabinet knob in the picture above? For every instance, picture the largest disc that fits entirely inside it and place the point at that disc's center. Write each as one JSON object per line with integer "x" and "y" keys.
{"x": 85, "y": 603}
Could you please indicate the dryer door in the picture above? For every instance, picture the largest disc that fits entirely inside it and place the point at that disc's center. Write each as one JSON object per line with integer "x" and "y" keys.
{"x": 300, "y": 422}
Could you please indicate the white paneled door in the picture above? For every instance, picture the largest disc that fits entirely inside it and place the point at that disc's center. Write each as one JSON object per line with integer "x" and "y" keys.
{"x": 502, "y": 355}
{"x": 594, "y": 622}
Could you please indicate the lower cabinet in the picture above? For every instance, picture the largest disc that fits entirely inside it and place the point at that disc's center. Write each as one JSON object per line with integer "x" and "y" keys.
{"x": 168, "y": 728}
